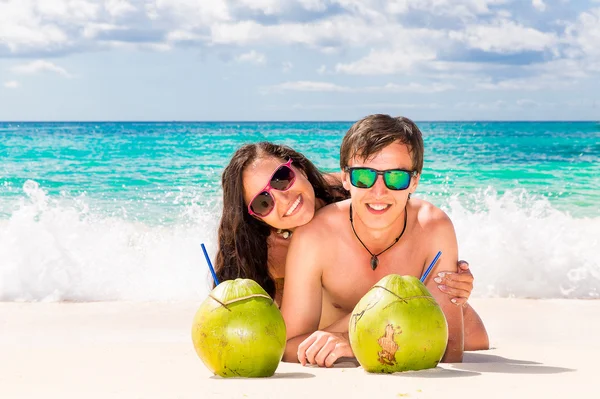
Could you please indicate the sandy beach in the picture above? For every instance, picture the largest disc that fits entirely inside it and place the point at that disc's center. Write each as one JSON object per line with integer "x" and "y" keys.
{"x": 541, "y": 348}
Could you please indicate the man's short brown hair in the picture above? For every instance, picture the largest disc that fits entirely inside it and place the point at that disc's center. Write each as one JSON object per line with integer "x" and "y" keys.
{"x": 373, "y": 133}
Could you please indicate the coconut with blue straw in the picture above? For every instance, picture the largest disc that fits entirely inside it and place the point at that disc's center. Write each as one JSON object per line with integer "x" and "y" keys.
{"x": 238, "y": 330}
{"x": 398, "y": 326}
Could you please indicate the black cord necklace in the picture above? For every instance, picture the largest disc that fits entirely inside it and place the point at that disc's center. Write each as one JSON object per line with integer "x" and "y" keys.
{"x": 374, "y": 260}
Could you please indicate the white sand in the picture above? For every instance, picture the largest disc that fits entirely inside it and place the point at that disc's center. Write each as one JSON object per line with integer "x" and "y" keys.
{"x": 543, "y": 349}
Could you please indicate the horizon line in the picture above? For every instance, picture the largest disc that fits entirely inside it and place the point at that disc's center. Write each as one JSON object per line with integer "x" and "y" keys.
{"x": 297, "y": 121}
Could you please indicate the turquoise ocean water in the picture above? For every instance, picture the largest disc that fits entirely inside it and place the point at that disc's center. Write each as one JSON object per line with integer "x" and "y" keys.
{"x": 117, "y": 211}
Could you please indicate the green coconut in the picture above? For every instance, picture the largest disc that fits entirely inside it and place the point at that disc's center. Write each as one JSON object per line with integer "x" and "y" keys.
{"x": 398, "y": 326}
{"x": 238, "y": 331}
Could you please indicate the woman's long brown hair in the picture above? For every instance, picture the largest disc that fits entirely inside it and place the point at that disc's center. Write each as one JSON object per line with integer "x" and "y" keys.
{"x": 243, "y": 249}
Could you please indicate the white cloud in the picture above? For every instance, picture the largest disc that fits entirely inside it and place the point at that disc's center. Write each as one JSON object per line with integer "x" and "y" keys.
{"x": 158, "y": 47}
{"x": 11, "y": 84}
{"x": 412, "y": 88}
{"x": 313, "y": 86}
{"x": 509, "y": 84}
{"x": 74, "y": 10}
{"x": 560, "y": 71}
{"x": 93, "y": 29}
{"x": 540, "y": 80}
{"x": 520, "y": 104}
{"x": 183, "y": 36}
{"x": 380, "y": 62}
{"x": 266, "y": 7}
{"x": 404, "y": 105}
{"x": 584, "y": 34}
{"x": 357, "y": 37}
{"x": 313, "y": 5}
{"x": 252, "y": 57}
{"x": 119, "y": 8}
{"x": 504, "y": 36}
{"x": 38, "y": 66}
{"x": 187, "y": 14}
{"x": 305, "y": 85}
{"x": 58, "y": 26}
{"x": 458, "y": 69}
{"x": 539, "y": 5}
{"x": 375, "y": 107}
{"x": 327, "y": 34}
{"x": 479, "y": 105}
{"x": 21, "y": 27}
{"x": 463, "y": 9}
{"x": 239, "y": 33}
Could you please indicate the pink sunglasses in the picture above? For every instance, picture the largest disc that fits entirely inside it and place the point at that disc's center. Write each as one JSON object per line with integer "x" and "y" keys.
{"x": 282, "y": 179}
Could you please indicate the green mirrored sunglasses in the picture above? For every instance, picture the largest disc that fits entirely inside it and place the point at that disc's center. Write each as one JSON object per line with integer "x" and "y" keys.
{"x": 394, "y": 179}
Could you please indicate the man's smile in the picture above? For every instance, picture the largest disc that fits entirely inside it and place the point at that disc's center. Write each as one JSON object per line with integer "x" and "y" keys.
{"x": 377, "y": 207}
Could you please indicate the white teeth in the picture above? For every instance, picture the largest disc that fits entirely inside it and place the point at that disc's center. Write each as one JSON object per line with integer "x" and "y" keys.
{"x": 378, "y": 207}
{"x": 293, "y": 208}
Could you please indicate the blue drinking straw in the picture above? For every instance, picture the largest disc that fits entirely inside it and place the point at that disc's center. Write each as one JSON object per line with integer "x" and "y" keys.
{"x": 431, "y": 266}
{"x": 210, "y": 266}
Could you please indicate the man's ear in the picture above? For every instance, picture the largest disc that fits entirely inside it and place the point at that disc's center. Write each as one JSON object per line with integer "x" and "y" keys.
{"x": 346, "y": 180}
{"x": 414, "y": 182}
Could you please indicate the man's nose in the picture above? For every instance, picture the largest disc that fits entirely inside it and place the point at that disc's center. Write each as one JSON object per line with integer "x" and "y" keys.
{"x": 379, "y": 189}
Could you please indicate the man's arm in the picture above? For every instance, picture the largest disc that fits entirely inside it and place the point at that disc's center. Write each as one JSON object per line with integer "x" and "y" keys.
{"x": 302, "y": 292}
{"x": 443, "y": 238}
{"x": 326, "y": 346}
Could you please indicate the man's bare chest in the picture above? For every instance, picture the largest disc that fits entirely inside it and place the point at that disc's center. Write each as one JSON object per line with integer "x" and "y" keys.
{"x": 350, "y": 276}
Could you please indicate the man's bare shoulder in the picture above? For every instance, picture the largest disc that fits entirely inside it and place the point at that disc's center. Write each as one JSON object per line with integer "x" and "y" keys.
{"x": 429, "y": 217}
{"x": 326, "y": 220}
{"x": 312, "y": 242}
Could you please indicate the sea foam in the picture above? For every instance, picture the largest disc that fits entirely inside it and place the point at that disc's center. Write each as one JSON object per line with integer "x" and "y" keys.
{"x": 517, "y": 244}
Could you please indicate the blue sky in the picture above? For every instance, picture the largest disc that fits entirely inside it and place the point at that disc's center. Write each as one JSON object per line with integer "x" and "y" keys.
{"x": 299, "y": 59}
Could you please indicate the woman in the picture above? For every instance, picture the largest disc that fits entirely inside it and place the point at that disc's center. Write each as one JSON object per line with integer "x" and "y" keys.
{"x": 268, "y": 191}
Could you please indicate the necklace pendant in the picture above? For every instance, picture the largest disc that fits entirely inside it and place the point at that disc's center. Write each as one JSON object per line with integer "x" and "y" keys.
{"x": 374, "y": 262}
{"x": 284, "y": 233}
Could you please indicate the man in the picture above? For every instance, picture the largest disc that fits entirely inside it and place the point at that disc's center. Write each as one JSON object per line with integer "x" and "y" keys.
{"x": 350, "y": 245}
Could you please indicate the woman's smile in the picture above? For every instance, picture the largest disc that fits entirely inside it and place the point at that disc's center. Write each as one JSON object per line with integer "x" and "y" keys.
{"x": 295, "y": 207}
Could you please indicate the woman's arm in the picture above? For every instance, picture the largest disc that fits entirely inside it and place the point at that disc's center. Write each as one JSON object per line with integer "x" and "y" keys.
{"x": 457, "y": 285}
